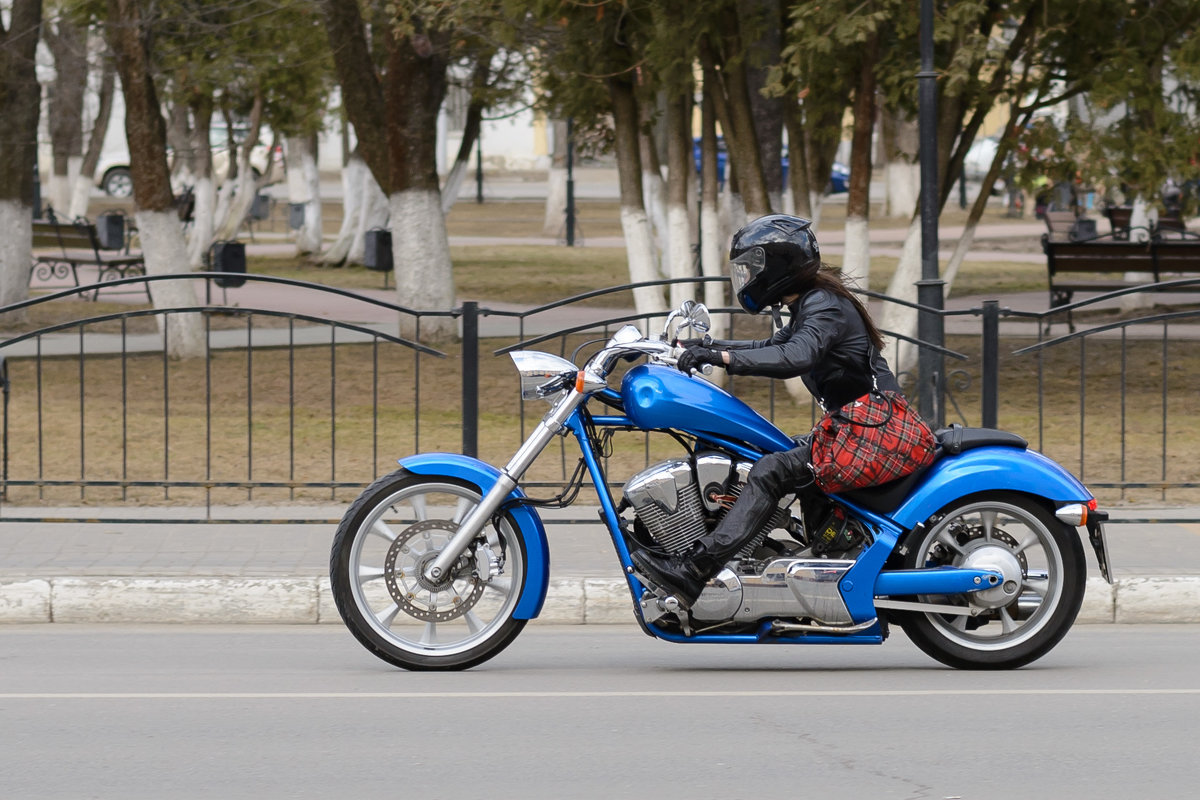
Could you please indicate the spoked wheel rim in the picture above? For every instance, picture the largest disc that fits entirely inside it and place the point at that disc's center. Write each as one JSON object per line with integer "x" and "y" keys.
{"x": 1007, "y": 538}
{"x": 396, "y": 540}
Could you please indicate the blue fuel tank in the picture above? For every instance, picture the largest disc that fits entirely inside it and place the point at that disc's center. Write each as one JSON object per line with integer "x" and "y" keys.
{"x": 660, "y": 397}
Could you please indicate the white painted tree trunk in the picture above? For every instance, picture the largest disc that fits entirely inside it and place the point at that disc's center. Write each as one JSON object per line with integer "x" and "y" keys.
{"x": 639, "y": 248}
{"x": 304, "y": 187}
{"x": 200, "y": 237}
{"x": 166, "y": 254}
{"x": 354, "y": 175}
{"x": 712, "y": 264}
{"x": 902, "y": 319}
{"x": 856, "y": 263}
{"x": 1139, "y": 231}
{"x": 239, "y": 204}
{"x": 453, "y": 185}
{"x": 555, "y": 220}
{"x": 816, "y": 201}
{"x": 421, "y": 253}
{"x": 654, "y": 196}
{"x": 224, "y": 201}
{"x": 16, "y": 251}
{"x": 679, "y": 249}
{"x": 903, "y": 182}
{"x": 81, "y": 193}
{"x": 374, "y": 213}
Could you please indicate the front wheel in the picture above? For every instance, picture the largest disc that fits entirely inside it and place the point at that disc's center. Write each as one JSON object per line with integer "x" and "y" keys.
{"x": 1031, "y": 610}
{"x": 385, "y": 541}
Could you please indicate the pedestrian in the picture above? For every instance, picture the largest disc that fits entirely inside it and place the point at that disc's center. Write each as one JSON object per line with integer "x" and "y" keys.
{"x": 830, "y": 342}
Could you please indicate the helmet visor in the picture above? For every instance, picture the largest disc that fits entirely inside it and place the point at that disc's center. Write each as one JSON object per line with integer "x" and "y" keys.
{"x": 743, "y": 271}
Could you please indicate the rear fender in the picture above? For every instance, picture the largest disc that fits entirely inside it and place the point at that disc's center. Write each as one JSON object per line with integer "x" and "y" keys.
{"x": 529, "y": 525}
{"x": 988, "y": 469}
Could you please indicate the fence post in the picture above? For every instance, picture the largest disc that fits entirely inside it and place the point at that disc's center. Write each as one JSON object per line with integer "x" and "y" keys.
{"x": 470, "y": 378}
{"x": 991, "y": 363}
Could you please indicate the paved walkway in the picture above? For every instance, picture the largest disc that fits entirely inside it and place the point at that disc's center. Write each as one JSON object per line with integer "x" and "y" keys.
{"x": 147, "y": 572}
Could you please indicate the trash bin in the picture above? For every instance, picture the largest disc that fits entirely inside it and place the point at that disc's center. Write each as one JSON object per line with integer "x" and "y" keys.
{"x": 296, "y": 215}
{"x": 110, "y": 230}
{"x": 1083, "y": 229}
{"x": 377, "y": 253}
{"x": 260, "y": 209}
{"x": 229, "y": 257}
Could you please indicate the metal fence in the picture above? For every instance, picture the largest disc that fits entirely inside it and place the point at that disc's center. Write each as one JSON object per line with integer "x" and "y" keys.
{"x": 290, "y": 408}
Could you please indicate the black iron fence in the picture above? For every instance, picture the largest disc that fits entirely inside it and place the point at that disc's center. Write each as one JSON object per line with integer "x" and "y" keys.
{"x": 294, "y": 408}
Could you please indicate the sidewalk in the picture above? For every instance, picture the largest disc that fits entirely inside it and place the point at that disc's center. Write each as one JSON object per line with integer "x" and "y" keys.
{"x": 244, "y": 573}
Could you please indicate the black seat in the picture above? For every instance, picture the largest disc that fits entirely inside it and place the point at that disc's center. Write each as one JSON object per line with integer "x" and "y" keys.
{"x": 957, "y": 439}
{"x": 951, "y": 441}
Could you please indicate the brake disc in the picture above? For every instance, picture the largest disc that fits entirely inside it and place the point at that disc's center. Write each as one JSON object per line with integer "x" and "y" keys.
{"x": 404, "y": 572}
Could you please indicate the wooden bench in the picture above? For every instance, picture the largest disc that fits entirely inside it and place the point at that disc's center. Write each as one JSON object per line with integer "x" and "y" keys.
{"x": 77, "y": 244}
{"x": 1162, "y": 258}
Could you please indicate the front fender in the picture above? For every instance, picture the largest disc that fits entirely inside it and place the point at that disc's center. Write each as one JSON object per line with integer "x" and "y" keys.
{"x": 988, "y": 469}
{"x": 529, "y": 525}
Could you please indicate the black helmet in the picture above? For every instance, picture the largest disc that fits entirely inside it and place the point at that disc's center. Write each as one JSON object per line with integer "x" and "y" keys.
{"x": 770, "y": 258}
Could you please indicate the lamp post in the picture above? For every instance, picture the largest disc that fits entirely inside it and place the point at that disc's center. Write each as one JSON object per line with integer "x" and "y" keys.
{"x": 930, "y": 329}
{"x": 570, "y": 182}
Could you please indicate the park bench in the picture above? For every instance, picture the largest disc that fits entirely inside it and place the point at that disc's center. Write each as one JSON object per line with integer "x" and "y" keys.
{"x": 70, "y": 246}
{"x": 1069, "y": 264}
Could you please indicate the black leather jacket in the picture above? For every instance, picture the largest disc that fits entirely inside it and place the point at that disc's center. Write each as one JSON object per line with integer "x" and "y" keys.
{"x": 825, "y": 343}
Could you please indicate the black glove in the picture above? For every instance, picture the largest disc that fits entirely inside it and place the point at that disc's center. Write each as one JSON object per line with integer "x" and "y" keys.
{"x": 695, "y": 355}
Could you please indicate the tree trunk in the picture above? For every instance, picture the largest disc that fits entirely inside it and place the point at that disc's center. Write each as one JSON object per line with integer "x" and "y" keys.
{"x": 158, "y": 226}
{"x": 639, "y": 244}
{"x": 304, "y": 188}
{"x": 91, "y": 157}
{"x": 654, "y": 188}
{"x": 798, "y": 178}
{"x": 354, "y": 175}
{"x": 471, "y": 130}
{"x": 204, "y": 190}
{"x": 246, "y": 186}
{"x": 856, "y": 263}
{"x": 737, "y": 123}
{"x": 20, "y": 97}
{"x": 902, "y": 173}
{"x": 679, "y": 172}
{"x": 767, "y": 112}
{"x": 556, "y": 181}
{"x": 68, "y": 45}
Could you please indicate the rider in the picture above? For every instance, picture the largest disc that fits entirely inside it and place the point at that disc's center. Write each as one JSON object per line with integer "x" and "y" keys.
{"x": 830, "y": 342}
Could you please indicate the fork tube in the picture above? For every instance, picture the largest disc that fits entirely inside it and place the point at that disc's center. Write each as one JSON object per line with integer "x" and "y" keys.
{"x": 551, "y": 425}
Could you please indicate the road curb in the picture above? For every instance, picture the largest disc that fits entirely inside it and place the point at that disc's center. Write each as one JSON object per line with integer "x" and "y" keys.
{"x": 569, "y": 601}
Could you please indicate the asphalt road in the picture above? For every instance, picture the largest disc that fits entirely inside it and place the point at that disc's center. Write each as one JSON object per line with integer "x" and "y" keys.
{"x": 583, "y": 712}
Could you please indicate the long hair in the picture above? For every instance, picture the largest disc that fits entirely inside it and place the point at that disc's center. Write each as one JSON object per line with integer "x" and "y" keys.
{"x": 831, "y": 279}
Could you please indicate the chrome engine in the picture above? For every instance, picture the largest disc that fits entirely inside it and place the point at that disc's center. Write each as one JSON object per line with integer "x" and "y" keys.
{"x": 677, "y": 504}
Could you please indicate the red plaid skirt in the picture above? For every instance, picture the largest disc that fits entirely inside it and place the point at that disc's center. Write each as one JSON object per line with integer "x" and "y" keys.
{"x": 871, "y": 441}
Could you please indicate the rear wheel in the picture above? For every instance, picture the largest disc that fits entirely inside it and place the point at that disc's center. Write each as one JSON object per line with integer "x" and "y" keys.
{"x": 1030, "y": 611}
{"x": 117, "y": 182}
{"x": 395, "y": 529}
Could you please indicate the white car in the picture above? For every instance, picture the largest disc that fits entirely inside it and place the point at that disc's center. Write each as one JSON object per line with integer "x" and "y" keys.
{"x": 114, "y": 179}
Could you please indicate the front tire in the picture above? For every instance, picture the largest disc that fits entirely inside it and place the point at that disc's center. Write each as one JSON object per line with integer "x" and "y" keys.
{"x": 1029, "y": 613}
{"x": 391, "y": 532}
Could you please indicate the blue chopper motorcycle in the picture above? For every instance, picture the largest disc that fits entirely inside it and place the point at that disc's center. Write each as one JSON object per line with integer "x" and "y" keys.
{"x": 439, "y": 565}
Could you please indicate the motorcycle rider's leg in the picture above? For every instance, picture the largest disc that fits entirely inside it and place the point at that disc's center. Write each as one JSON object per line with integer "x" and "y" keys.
{"x": 685, "y": 574}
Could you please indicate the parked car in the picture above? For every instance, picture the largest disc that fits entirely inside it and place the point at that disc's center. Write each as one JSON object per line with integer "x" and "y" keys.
{"x": 114, "y": 178}
{"x": 839, "y": 177}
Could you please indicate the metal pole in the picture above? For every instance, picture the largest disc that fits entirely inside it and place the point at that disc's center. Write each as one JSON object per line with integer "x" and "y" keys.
{"x": 930, "y": 327}
{"x": 570, "y": 182}
{"x": 991, "y": 363}
{"x": 479, "y": 167}
{"x": 470, "y": 380}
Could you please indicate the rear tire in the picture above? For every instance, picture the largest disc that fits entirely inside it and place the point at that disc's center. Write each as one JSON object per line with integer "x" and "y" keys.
{"x": 1041, "y": 557}
{"x": 387, "y": 537}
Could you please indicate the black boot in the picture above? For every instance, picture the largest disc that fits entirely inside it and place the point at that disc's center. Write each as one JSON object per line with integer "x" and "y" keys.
{"x": 680, "y": 574}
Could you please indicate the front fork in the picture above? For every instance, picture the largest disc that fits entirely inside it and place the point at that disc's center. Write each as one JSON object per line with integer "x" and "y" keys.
{"x": 551, "y": 425}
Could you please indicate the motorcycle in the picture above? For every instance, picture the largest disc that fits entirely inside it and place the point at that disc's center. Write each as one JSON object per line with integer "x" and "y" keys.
{"x": 440, "y": 564}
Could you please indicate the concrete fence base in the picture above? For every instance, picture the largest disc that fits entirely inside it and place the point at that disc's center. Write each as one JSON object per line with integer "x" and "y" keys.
{"x": 571, "y": 601}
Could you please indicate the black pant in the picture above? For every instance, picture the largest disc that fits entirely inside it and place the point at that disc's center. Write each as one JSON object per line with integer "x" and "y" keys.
{"x": 772, "y": 477}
